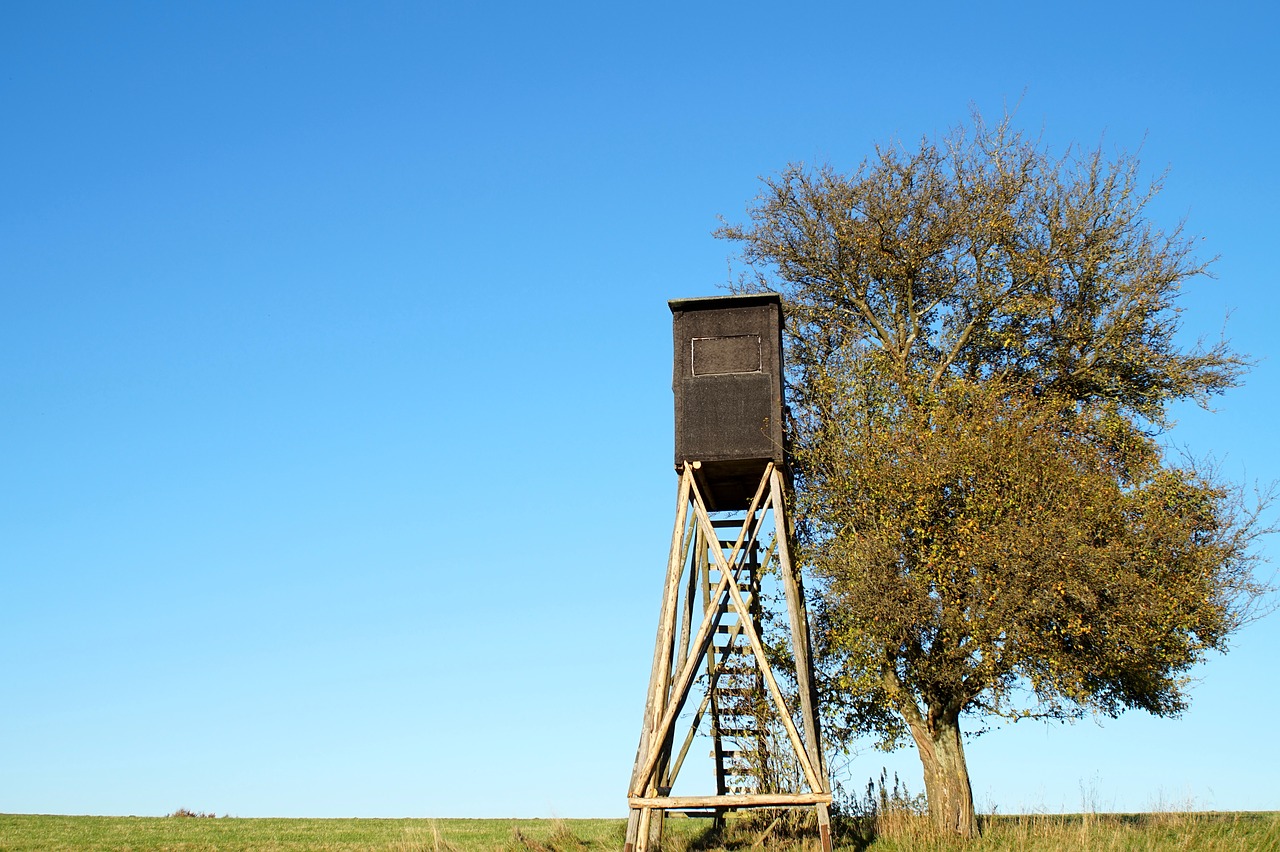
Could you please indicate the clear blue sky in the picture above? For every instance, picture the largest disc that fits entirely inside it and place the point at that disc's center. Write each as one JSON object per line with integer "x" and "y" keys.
{"x": 334, "y": 361}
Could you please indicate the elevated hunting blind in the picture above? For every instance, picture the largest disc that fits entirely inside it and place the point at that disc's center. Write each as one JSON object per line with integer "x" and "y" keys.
{"x": 727, "y": 378}
{"x": 765, "y": 745}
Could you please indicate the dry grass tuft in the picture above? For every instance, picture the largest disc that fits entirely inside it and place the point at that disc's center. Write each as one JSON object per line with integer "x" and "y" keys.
{"x": 561, "y": 839}
{"x": 183, "y": 813}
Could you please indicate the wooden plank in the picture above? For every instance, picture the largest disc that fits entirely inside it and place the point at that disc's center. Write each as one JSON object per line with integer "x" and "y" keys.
{"x": 736, "y": 718}
{"x": 751, "y": 800}
{"x": 692, "y": 814}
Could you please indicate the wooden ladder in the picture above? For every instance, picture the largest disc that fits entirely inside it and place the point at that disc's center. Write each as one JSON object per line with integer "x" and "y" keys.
{"x": 737, "y": 687}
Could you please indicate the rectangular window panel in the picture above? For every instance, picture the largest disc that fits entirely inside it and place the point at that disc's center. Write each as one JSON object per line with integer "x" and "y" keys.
{"x": 718, "y": 356}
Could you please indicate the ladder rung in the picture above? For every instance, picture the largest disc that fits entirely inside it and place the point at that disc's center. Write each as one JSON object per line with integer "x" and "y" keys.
{"x": 738, "y": 732}
{"x": 726, "y": 606}
{"x": 741, "y": 714}
{"x": 741, "y": 774}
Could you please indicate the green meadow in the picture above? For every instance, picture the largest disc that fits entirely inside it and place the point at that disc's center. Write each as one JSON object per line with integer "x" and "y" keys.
{"x": 884, "y": 833}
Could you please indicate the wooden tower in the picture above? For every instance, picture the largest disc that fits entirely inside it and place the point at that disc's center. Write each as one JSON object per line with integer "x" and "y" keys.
{"x": 711, "y": 678}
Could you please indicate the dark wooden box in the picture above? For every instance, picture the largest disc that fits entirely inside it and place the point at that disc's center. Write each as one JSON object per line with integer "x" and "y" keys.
{"x": 727, "y": 380}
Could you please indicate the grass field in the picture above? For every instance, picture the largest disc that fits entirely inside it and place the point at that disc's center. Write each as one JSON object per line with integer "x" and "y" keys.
{"x": 24, "y": 832}
{"x": 1097, "y": 832}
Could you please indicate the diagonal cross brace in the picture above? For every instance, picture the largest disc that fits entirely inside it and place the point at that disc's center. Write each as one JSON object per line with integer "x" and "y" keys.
{"x": 711, "y": 620}
{"x": 802, "y": 754}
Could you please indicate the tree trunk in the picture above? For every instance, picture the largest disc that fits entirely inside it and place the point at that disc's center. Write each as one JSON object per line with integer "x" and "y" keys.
{"x": 946, "y": 776}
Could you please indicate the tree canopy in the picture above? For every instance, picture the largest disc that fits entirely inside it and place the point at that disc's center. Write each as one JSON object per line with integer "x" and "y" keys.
{"x": 983, "y": 345}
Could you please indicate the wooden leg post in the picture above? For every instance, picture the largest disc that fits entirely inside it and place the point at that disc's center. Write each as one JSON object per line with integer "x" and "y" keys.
{"x": 799, "y": 624}
{"x": 633, "y": 830}
{"x": 646, "y": 816}
{"x": 642, "y": 782}
{"x": 824, "y": 826}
